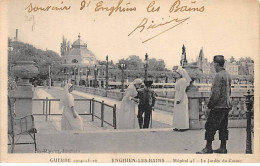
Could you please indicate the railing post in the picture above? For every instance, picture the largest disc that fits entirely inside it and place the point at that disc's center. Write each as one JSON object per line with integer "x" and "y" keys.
{"x": 93, "y": 108}
{"x": 249, "y": 106}
{"x": 49, "y": 107}
{"x": 102, "y": 114}
{"x": 46, "y": 110}
{"x": 43, "y": 106}
{"x": 114, "y": 116}
{"x": 90, "y": 111}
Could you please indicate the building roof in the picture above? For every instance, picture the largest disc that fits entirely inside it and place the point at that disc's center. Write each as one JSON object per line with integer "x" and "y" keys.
{"x": 201, "y": 54}
{"x": 79, "y": 48}
{"x": 78, "y": 43}
{"x": 83, "y": 51}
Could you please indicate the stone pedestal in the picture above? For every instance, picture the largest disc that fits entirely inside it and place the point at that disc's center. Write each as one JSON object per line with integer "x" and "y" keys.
{"x": 193, "y": 96}
{"x": 24, "y": 93}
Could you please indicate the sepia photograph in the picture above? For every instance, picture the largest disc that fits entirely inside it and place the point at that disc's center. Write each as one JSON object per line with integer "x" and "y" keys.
{"x": 128, "y": 81}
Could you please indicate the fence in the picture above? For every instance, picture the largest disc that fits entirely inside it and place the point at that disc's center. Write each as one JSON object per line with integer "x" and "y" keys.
{"x": 47, "y": 105}
{"x": 102, "y": 116}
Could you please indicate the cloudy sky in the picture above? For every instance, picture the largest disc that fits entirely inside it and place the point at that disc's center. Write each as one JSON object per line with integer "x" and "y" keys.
{"x": 227, "y": 27}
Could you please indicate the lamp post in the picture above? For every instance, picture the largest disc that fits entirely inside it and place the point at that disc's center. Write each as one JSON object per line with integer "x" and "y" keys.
{"x": 75, "y": 75}
{"x": 145, "y": 67}
{"x": 65, "y": 72}
{"x": 80, "y": 73}
{"x": 122, "y": 66}
{"x": 95, "y": 73}
{"x": 249, "y": 106}
{"x": 87, "y": 75}
{"x": 106, "y": 73}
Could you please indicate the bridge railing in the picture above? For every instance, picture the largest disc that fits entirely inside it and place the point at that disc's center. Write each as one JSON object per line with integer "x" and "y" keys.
{"x": 92, "y": 110}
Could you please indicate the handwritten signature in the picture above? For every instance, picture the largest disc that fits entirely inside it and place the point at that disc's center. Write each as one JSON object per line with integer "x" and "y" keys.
{"x": 143, "y": 26}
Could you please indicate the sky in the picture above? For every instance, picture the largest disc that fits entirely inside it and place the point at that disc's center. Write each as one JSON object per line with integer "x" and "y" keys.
{"x": 227, "y": 27}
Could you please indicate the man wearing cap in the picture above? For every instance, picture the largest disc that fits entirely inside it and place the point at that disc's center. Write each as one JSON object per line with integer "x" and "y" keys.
{"x": 219, "y": 105}
{"x": 146, "y": 98}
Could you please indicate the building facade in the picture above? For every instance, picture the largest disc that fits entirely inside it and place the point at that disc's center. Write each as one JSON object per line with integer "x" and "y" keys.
{"x": 232, "y": 68}
{"x": 80, "y": 65}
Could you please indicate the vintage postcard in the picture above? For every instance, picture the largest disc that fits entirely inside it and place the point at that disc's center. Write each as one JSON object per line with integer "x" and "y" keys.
{"x": 129, "y": 81}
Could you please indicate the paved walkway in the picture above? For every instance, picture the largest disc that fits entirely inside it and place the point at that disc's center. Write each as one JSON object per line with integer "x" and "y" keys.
{"x": 131, "y": 141}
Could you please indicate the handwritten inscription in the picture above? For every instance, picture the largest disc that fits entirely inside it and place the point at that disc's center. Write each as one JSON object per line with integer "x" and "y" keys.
{"x": 177, "y": 7}
{"x": 121, "y": 6}
{"x": 83, "y": 4}
{"x": 144, "y": 25}
{"x": 118, "y": 8}
{"x": 151, "y": 8}
{"x": 35, "y": 8}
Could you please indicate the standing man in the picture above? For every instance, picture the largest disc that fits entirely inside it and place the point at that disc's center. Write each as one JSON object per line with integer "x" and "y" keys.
{"x": 146, "y": 98}
{"x": 219, "y": 105}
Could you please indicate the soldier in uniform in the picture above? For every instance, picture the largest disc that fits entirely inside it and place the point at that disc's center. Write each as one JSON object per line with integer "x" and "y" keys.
{"x": 146, "y": 98}
{"x": 219, "y": 105}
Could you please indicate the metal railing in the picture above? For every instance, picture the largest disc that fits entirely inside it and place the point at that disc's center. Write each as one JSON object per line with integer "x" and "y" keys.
{"x": 102, "y": 113}
{"x": 47, "y": 103}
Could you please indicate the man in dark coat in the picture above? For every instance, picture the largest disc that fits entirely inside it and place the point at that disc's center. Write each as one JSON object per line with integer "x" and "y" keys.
{"x": 146, "y": 98}
{"x": 219, "y": 105}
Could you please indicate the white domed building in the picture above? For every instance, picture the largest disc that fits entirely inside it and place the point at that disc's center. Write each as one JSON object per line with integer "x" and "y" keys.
{"x": 80, "y": 65}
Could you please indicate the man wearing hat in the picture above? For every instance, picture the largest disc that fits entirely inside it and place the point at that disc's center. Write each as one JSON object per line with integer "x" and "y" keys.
{"x": 146, "y": 98}
{"x": 219, "y": 105}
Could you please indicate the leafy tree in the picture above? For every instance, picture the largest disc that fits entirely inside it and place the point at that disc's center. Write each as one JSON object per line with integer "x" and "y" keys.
{"x": 156, "y": 65}
{"x": 26, "y": 52}
{"x": 133, "y": 62}
{"x": 110, "y": 64}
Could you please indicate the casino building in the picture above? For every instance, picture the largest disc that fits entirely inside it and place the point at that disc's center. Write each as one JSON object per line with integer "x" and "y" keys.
{"x": 80, "y": 65}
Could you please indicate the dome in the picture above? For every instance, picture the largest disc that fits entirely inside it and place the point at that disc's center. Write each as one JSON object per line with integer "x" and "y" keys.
{"x": 80, "y": 53}
{"x": 78, "y": 42}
